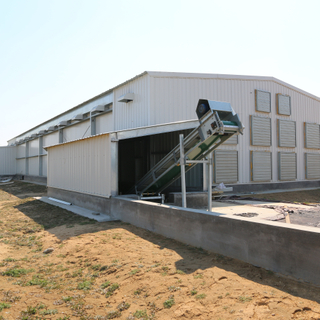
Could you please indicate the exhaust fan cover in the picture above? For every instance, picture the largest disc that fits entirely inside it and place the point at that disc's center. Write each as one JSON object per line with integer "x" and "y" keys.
{"x": 126, "y": 97}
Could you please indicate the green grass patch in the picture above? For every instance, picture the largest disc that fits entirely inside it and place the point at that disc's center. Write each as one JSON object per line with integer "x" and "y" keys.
{"x": 4, "y": 305}
{"x": 16, "y": 272}
{"x": 201, "y": 296}
{"x": 111, "y": 289}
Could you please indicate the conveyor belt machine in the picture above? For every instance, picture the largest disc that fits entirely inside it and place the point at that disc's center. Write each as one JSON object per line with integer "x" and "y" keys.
{"x": 218, "y": 123}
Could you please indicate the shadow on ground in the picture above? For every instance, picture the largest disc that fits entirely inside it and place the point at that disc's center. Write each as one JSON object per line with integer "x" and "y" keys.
{"x": 192, "y": 259}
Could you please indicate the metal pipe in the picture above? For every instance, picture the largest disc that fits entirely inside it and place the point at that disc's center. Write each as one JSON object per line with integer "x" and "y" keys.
{"x": 183, "y": 173}
{"x": 210, "y": 174}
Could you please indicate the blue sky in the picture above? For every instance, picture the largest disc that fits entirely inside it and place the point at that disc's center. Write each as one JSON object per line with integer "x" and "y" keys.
{"x": 56, "y": 54}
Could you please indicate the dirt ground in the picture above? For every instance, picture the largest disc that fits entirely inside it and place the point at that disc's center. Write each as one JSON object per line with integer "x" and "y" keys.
{"x": 113, "y": 270}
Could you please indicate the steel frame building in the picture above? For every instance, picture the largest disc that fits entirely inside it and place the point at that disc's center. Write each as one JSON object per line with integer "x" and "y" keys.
{"x": 102, "y": 146}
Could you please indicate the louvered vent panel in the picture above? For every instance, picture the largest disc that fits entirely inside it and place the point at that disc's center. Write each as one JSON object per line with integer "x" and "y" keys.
{"x": 225, "y": 166}
{"x": 260, "y": 131}
{"x": 287, "y": 133}
{"x": 261, "y": 168}
{"x": 287, "y": 162}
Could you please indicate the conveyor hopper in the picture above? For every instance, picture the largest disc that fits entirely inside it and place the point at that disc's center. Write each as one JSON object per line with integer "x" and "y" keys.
{"x": 218, "y": 122}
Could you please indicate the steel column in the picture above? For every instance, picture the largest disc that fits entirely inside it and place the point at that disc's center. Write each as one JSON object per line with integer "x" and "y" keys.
{"x": 183, "y": 172}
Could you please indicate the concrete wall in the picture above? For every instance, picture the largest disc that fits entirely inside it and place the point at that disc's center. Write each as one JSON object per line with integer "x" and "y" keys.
{"x": 286, "y": 249}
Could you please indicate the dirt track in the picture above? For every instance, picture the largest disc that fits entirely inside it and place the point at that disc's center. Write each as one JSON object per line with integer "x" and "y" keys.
{"x": 115, "y": 270}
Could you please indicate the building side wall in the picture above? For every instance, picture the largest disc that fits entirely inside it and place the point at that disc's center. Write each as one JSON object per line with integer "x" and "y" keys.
{"x": 175, "y": 99}
{"x": 133, "y": 114}
{"x": 7, "y": 160}
{"x": 33, "y": 166}
{"x": 104, "y": 123}
{"x": 77, "y": 131}
{"x": 82, "y": 166}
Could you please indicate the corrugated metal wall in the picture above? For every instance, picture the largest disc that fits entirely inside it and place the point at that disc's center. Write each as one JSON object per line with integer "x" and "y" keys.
{"x": 44, "y": 165}
{"x": 312, "y": 165}
{"x": 165, "y": 97}
{"x": 133, "y": 114}
{"x": 78, "y": 131}
{"x": 34, "y": 147}
{"x": 287, "y": 133}
{"x": 33, "y": 166}
{"x": 51, "y": 139}
{"x": 8, "y": 160}
{"x": 174, "y": 98}
{"x": 21, "y": 166}
{"x": 82, "y": 166}
{"x": 287, "y": 163}
{"x": 104, "y": 123}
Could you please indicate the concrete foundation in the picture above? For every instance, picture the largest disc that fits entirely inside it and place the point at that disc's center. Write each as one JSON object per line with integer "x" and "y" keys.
{"x": 258, "y": 187}
{"x": 290, "y": 250}
{"x": 34, "y": 179}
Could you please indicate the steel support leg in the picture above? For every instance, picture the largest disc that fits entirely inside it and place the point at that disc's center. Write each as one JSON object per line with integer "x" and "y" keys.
{"x": 210, "y": 174}
{"x": 183, "y": 173}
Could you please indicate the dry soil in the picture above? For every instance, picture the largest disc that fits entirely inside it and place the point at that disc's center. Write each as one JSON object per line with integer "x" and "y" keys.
{"x": 114, "y": 270}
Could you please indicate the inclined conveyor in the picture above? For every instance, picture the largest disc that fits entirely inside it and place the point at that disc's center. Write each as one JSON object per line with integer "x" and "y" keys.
{"x": 218, "y": 123}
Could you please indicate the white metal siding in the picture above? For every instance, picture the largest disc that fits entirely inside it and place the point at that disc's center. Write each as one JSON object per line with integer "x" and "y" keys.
{"x": 287, "y": 164}
{"x": 263, "y": 101}
{"x": 50, "y": 139}
{"x": 104, "y": 123}
{"x": 312, "y": 161}
{"x": 283, "y": 104}
{"x": 287, "y": 133}
{"x": 174, "y": 98}
{"x": 33, "y": 166}
{"x": 44, "y": 165}
{"x": 21, "y": 166}
{"x": 77, "y": 131}
{"x": 34, "y": 147}
{"x": 8, "y": 160}
{"x": 260, "y": 131}
{"x": 312, "y": 135}
{"x": 225, "y": 166}
{"x": 261, "y": 166}
{"x": 133, "y": 114}
{"x": 21, "y": 150}
{"x": 81, "y": 166}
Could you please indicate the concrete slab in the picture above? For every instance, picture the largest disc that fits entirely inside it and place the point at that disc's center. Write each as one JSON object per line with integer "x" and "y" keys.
{"x": 255, "y": 208}
{"x": 100, "y": 217}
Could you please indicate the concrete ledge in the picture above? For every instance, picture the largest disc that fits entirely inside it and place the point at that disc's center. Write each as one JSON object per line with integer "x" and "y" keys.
{"x": 257, "y": 187}
{"x": 95, "y": 203}
{"x": 194, "y": 199}
{"x": 290, "y": 250}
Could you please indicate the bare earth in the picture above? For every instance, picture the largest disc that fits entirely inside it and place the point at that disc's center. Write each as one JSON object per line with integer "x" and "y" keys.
{"x": 113, "y": 270}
